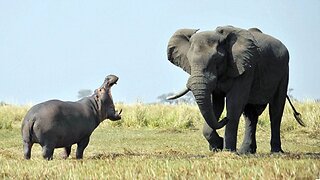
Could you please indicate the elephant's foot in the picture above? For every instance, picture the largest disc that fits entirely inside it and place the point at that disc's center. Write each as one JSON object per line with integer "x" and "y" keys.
{"x": 277, "y": 151}
{"x": 217, "y": 145}
{"x": 231, "y": 147}
{"x": 247, "y": 149}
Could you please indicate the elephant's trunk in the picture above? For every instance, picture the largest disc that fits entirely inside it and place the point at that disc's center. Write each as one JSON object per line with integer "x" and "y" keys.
{"x": 202, "y": 92}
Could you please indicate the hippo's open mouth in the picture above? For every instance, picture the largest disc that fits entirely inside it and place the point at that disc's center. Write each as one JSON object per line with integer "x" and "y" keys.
{"x": 113, "y": 114}
{"x": 111, "y": 80}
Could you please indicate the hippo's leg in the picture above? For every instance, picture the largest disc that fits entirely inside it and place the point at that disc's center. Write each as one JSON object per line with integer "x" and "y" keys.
{"x": 27, "y": 149}
{"x": 47, "y": 152}
{"x": 81, "y": 146}
{"x": 67, "y": 151}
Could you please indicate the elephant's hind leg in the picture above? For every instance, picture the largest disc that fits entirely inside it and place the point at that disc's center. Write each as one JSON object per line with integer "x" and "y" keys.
{"x": 251, "y": 114}
{"x": 27, "y": 149}
{"x": 276, "y": 107}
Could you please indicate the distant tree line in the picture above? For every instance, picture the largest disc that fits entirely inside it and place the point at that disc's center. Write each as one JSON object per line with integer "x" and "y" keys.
{"x": 2, "y": 103}
{"x": 84, "y": 93}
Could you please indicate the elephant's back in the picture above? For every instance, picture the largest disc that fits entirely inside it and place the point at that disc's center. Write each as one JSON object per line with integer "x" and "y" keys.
{"x": 271, "y": 69}
{"x": 271, "y": 49}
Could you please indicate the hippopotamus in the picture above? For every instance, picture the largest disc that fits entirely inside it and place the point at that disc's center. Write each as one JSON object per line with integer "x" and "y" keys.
{"x": 60, "y": 124}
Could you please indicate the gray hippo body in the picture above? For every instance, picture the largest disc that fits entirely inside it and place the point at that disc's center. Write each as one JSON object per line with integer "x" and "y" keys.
{"x": 56, "y": 124}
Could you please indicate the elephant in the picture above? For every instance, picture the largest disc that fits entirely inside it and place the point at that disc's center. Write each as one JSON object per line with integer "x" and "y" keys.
{"x": 244, "y": 69}
{"x": 60, "y": 124}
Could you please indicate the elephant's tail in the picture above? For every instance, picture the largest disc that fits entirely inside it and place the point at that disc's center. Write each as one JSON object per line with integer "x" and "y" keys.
{"x": 296, "y": 114}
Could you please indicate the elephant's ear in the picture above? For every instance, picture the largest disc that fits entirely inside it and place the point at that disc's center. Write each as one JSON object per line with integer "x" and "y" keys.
{"x": 242, "y": 51}
{"x": 178, "y": 48}
{"x": 255, "y": 30}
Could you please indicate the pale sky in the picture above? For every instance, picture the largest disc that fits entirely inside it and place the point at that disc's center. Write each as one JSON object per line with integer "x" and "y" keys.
{"x": 53, "y": 48}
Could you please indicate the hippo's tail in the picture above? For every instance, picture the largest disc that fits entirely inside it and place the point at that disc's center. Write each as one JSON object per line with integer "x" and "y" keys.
{"x": 27, "y": 129}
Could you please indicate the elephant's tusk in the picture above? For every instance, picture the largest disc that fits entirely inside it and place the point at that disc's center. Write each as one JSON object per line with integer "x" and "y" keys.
{"x": 181, "y": 93}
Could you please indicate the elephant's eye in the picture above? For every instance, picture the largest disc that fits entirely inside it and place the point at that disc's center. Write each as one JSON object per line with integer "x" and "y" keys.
{"x": 211, "y": 42}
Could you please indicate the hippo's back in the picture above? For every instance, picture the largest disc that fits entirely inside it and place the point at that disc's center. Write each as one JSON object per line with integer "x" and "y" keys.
{"x": 56, "y": 113}
{"x": 61, "y": 123}
{"x": 38, "y": 116}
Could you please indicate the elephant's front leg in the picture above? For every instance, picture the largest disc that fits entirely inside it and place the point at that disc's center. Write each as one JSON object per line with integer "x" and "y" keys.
{"x": 231, "y": 131}
{"x": 211, "y": 135}
{"x": 236, "y": 99}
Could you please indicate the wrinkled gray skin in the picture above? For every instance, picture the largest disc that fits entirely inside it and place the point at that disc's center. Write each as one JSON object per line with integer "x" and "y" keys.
{"x": 246, "y": 68}
{"x": 56, "y": 124}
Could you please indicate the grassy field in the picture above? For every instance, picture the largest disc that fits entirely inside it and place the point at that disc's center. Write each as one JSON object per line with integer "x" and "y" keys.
{"x": 165, "y": 142}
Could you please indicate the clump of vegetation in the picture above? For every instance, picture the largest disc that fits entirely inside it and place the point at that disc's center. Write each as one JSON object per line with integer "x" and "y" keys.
{"x": 187, "y": 116}
{"x": 11, "y": 114}
{"x": 184, "y": 116}
{"x": 159, "y": 116}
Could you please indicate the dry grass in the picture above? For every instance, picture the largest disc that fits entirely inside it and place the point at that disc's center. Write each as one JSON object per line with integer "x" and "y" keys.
{"x": 165, "y": 142}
